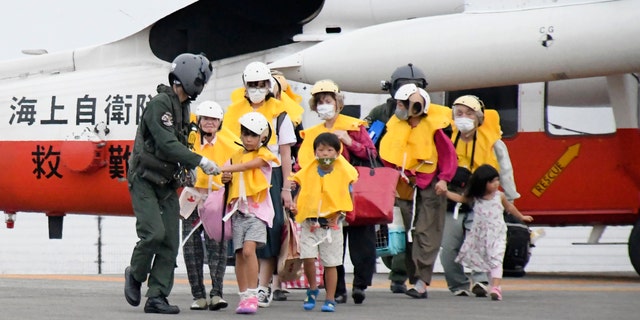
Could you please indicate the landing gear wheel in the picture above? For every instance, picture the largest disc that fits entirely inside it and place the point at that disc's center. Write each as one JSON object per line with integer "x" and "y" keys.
{"x": 634, "y": 246}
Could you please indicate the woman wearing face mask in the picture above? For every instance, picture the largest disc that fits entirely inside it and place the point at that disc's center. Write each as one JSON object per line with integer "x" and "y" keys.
{"x": 257, "y": 81}
{"x": 476, "y": 137}
{"x": 328, "y": 101}
{"x": 416, "y": 145}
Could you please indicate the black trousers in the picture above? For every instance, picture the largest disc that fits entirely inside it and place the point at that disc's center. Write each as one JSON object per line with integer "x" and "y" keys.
{"x": 362, "y": 251}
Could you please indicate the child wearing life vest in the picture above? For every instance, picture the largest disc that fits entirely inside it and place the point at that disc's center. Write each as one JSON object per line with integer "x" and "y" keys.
{"x": 323, "y": 198}
{"x": 249, "y": 204}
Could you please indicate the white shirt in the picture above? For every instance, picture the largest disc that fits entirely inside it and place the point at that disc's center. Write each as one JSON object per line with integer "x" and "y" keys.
{"x": 287, "y": 135}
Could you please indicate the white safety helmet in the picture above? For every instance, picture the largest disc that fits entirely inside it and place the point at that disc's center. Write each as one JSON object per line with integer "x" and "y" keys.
{"x": 209, "y": 109}
{"x": 256, "y": 71}
{"x": 407, "y": 90}
{"x": 256, "y": 123}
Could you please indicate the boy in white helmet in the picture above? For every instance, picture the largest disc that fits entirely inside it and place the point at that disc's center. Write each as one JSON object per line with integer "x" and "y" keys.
{"x": 249, "y": 202}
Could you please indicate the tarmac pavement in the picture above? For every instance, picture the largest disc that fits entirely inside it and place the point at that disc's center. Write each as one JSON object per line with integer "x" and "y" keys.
{"x": 535, "y": 296}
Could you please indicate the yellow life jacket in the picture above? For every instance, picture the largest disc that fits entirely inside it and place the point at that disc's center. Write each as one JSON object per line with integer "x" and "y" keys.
{"x": 255, "y": 182}
{"x": 238, "y": 94}
{"x": 414, "y": 148}
{"x": 270, "y": 109}
{"x": 219, "y": 152}
{"x": 306, "y": 154}
{"x": 329, "y": 193}
{"x": 486, "y": 136}
{"x": 292, "y": 107}
{"x": 294, "y": 96}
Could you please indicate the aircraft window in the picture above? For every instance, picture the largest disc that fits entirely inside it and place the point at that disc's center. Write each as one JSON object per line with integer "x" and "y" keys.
{"x": 502, "y": 99}
{"x": 579, "y": 107}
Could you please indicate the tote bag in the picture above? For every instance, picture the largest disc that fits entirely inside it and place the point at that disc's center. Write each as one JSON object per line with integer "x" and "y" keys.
{"x": 289, "y": 263}
{"x": 373, "y": 195}
{"x": 211, "y": 213}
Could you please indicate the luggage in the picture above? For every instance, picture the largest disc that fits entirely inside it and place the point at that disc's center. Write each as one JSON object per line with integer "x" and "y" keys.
{"x": 518, "y": 251}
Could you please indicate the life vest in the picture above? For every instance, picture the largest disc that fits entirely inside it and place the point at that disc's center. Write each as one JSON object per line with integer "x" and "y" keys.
{"x": 220, "y": 152}
{"x": 482, "y": 152}
{"x": 270, "y": 109}
{"x": 306, "y": 154}
{"x": 329, "y": 193}
{"x": 291, "y": 106}
{"x": 414, "y": 148}
{"x": 255, "y": 182}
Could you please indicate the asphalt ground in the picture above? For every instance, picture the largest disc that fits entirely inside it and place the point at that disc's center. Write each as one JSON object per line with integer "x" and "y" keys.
{"x": 536, "y": 296}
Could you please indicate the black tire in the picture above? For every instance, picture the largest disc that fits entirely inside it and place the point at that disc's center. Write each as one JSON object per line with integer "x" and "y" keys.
{"x": 634, "y": 247}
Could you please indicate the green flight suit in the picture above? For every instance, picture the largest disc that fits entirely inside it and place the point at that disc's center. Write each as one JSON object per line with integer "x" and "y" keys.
{"x": 162, "y": 139}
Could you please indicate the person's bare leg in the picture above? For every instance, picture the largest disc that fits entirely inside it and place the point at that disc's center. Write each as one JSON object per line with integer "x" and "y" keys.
{"x": 310, "y": 273}
{"x": 267, "y": 267}
{"x": 331, "y": 282}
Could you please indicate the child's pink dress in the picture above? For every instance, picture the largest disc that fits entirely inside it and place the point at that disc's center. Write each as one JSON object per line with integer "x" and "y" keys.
{"x": 484, "y": 245}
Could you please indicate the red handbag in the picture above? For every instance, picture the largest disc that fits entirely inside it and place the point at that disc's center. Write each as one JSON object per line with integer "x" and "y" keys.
{"x": 373, "y": 195}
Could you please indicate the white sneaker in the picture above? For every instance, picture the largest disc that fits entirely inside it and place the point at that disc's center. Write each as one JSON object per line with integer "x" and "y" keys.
{"x": 479, "y": 289}
{"x": 264, "y": 297}
{"x": 199, "y": 304}
{"x": 461, "y": 293}
{"x": 217, "y": 303}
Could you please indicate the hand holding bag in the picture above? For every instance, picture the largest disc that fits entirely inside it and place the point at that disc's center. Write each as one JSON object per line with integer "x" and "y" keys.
{"x": 373, "y": 194}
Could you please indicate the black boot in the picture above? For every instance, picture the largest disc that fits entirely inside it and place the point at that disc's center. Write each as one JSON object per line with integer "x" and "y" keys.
{"x": 131, "y": 288}
{"x": 160, "y": 305}
{"x": 358, "y": 295}
{"x": 341, "y": 297}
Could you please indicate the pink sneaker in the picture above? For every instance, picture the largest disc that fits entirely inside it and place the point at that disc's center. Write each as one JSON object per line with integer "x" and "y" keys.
{"x": 248, "y": 305}
{"x": 496, "y": 293}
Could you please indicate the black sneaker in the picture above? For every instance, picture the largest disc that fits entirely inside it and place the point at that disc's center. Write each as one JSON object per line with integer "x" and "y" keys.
{"x": 358, "y": 295}
{"x": 341, "y": 298}
{"x": 398, "y": 287}
{"x": 160, "y": 305}
{"x": 279, "y": 295}
{"x": 131, "y": 288}
{"x": 416, "y": 294}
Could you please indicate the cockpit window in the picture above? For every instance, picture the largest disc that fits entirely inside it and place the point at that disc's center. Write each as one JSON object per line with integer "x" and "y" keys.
{"x": 579, "y": 107}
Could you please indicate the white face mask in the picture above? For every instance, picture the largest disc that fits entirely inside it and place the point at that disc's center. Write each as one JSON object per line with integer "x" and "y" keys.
{"x": 326, "y": 111}
{"x": 257, "y": 95}
{"x": 464, "y": 124}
